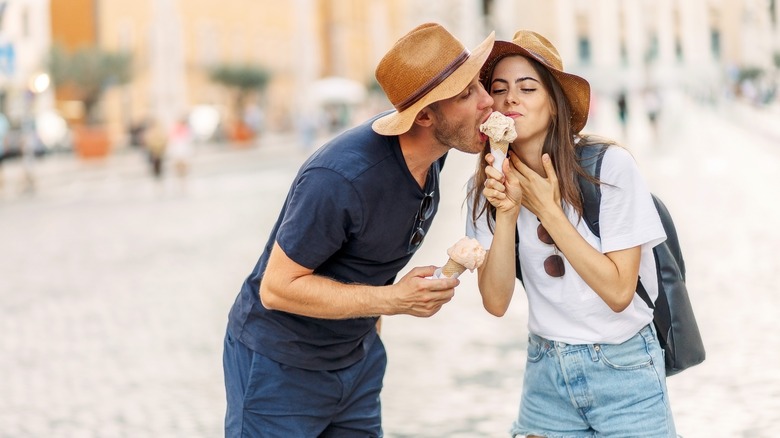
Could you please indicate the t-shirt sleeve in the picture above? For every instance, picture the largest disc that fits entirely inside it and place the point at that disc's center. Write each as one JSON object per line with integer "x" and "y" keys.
{"x": 479, "y": 230}
{"x": 628, "y": 217}
{"x": 322, "y": 212}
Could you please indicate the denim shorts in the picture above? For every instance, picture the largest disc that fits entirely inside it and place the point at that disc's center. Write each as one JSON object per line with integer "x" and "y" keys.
{"x": 267, "y": 399}
{"x": 595, "y": 390}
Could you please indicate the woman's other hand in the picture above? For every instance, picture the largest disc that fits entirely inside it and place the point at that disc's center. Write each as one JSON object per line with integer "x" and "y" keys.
{"x": 540, "y": 194}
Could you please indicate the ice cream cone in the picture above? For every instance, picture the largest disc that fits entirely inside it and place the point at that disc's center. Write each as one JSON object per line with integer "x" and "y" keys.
{"x": 499, "y": 150}
{"x": 502, "y": 146}
{"x": 452, "y": 269}
{"x": 500, "y": 129}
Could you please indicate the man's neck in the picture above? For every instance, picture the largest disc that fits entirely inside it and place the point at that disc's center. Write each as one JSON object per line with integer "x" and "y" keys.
{"x": 420, "y": 151}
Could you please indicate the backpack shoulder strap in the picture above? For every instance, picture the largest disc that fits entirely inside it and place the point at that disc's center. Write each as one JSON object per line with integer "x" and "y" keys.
{"x": 590, "y": 157}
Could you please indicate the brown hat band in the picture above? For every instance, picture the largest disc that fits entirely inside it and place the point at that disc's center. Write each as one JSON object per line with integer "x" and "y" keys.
{"x": 433, "y": 82}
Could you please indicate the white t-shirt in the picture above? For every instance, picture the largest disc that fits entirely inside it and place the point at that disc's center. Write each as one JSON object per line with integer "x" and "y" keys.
{"x": 566, "y": 309}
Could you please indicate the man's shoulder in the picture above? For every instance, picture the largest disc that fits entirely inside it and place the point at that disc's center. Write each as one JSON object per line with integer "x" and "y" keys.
{"x": 354, "y": 152}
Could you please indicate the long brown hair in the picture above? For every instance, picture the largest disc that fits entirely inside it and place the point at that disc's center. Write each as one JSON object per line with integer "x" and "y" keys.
{"x": 559, "y": 143}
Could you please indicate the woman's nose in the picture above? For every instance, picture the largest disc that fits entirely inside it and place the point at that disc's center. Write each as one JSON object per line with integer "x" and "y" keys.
{"x": 512, "y": 96}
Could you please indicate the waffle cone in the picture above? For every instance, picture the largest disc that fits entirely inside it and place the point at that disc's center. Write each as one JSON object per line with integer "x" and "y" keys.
{"x": 452, "y": 269}
{"x": 503, "y": 146}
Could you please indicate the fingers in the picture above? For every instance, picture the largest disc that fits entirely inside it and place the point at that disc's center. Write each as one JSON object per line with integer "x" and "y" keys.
{"x": 423, "y": 296}
{"x": 549, "y": 169}
{"x": 421, "y": 271}
{"x": 494, "y": 174}
{"x": 518, "y": 164}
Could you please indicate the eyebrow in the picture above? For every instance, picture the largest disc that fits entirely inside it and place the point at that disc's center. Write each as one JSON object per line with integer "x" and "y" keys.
{"x": 524, "y": 78}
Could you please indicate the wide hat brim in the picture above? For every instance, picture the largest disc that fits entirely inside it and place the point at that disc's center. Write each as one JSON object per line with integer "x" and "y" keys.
{"x": 398, "y": 122}
{"x": 575, "y": 88}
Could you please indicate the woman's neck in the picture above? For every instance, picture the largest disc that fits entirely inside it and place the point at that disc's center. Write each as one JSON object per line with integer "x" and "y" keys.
{"x": 530, "y": 153}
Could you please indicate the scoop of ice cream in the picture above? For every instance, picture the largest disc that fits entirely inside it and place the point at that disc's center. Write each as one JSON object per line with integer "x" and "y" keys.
{"x": 499, "y": 128}
{"x": 467, "y": 252}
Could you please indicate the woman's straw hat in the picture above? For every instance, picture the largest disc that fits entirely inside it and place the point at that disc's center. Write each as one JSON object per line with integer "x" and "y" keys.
{"x": 426, "y": 65}
{"x": 534, "y": 46}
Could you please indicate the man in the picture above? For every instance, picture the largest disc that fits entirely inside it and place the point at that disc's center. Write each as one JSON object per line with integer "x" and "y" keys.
{"x": 302, "y": 356}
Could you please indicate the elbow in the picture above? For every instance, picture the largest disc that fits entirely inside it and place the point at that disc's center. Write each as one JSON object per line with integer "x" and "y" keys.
{"x": 621, "y": 301}
{"x": 496, "y": 312}
{"x": 268, "y": 299}
{"x": 495, "y": 309}
{"x": 618, "y": 307}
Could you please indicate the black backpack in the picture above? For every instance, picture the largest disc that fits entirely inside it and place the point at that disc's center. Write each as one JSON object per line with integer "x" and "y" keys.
{"x": 673, "y": 316}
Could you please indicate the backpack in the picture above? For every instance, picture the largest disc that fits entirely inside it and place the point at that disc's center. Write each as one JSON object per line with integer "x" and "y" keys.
{"x": 673, "y": 316}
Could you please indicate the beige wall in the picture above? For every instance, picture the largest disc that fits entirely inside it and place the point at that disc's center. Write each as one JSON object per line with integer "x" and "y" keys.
{"x": 302, "y": 40}
{"x": 343, "y": 42}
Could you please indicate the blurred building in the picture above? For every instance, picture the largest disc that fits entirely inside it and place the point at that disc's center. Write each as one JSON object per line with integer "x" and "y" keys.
{"x": 24, "y": 40}
{"x": 628, "y": 43}
{"x": 617, "y": 44}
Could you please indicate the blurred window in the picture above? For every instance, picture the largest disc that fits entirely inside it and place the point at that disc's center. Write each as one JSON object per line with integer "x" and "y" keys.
{"x": 678, "y": 49}
{"x": 583, "y": 50}
{"x": 715, "y": 43}
{"x": 623, "y": 54}
{"x": 487, "y": 8}
{"x": 25, "y": 22}
{"x": 652, "y": 49}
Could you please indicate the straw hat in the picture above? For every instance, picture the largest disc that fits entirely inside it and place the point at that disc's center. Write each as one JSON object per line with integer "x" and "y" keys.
{"x": 426, "y": 65}
{"x": 534, "y": 46}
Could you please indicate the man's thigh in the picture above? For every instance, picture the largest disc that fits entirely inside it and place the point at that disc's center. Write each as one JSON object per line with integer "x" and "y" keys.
{"x": 269, "y": 399}
{"x": 360, "y": 411}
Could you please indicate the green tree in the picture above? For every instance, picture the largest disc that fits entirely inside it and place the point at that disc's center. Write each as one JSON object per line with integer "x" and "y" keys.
{"x": 243, "y": 79}
{"x": 87, "y": 73}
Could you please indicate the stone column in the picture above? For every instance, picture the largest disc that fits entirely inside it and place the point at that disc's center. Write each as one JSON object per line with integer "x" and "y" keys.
{"x": 694, "y": 37}
{"x": 307, "y": 46}
{"x": 665, "y": 62}
{"x": 605, "y": 43}
{"x": 167, "y": 62}
{"x": 635, "y": 36}
{"x": 566, "y": 37}
{"x": 605, "y": 74}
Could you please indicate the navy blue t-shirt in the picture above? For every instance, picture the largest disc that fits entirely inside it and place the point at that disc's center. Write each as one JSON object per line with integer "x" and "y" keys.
{"x": 349, "y": 216}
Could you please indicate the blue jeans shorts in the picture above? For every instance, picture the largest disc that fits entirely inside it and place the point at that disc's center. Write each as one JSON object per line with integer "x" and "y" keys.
{"x": 595, "y": 390}
{"x": 267, "y": 399}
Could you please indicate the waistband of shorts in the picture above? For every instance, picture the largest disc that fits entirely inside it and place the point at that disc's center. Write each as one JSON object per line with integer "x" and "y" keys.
{"x": 646, "y": 331}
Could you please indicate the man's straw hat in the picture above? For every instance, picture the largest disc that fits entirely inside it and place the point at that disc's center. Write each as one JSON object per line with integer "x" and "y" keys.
{"x": 426, "y": 65}
{"x": 534, "y": 46}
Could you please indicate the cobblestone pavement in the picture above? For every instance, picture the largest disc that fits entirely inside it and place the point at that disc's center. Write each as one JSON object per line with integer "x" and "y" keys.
{"x": 114, "y": 292}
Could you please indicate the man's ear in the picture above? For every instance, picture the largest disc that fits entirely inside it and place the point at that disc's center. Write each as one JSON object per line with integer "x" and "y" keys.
{"x": 425, "y": 117}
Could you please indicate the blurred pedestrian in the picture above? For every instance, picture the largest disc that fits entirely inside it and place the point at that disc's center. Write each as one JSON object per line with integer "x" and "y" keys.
{"x": 154, "y": 142}
{"x": 5, "y": 126}
{"x": 254, "y": 118}
{"x": 622, "y": 108}
{"x": 594, "y": 364}
{"x": 136, "y": 132}
{"x": 653, "y": 109}
{"x": 302, "y": 353}
{"x": 179, "y": 149}
{"x": 31, "y": 147}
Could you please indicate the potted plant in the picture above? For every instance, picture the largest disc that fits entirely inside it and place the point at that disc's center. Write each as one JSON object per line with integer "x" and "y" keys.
{"x": 243, "y": 79}
{"x": 85, "y": 74}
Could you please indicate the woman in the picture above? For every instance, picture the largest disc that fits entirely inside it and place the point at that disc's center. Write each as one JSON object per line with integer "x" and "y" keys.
{"x": 594, "y": 365}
